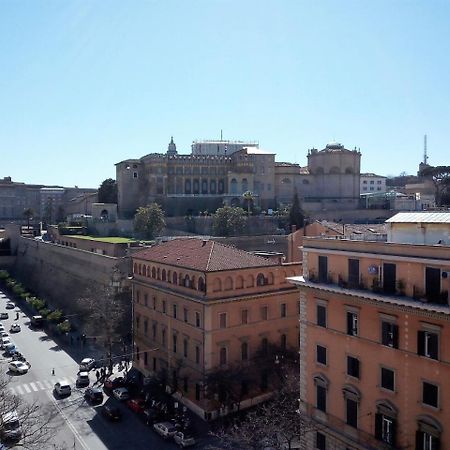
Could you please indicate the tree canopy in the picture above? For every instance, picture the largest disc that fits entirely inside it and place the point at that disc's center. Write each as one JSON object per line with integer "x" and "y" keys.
{"x": 107, "y": 192}
{"x": 149, "y": 220}
{"x": 229, "y": 220}
{"x": 441, "y": 179}
{"x": 296, "y": 215}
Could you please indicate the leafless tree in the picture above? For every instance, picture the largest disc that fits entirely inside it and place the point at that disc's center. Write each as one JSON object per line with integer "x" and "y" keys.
{"x": 35, "y": 419}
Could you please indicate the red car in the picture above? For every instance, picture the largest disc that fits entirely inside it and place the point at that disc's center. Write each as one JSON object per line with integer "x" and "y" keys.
{"x": 137, "y": 405}
{"x": 109, "y": 384}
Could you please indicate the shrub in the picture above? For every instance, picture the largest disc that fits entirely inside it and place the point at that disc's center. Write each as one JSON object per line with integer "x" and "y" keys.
{"x": 38, "y": 304}
{"x": 18, "y": 289}
{"x": 44, "y": 312}
{"x": 4, "y": 274}
{"x": 55, "y": 316}
{"x": 64, "y": 327}
{"x": 24, "y": 295}
{"x": 10, "y": 282}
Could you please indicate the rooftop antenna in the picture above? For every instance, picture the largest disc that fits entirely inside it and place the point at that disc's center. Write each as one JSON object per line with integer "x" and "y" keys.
{"x": 425, "y": 156}
{"x": 221, "y": 135}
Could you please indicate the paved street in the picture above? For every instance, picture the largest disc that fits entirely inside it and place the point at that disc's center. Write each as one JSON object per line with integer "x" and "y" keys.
{"x": 79, "y": 425}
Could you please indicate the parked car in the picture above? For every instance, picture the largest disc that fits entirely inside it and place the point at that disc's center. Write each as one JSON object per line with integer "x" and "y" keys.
{"x": 5, "y": 341}
{"x": 37, "y": 321}
{"x": 3, "y": 334}
{"x": 10, "y": 349}
{"x": 109, "y": 384}
{"x": 82, "y": 379}
{"x": 121, "y": 393}
{"x": 4, "y": 315}
{"x": 87, "y": 364}
{"x": 10, "y": 427}
{"x": 183, "y": 439}
{"x": 10, "y": 305}
{"x": 62, "y": 388}
{"x": 18, "y": 367}
{"x": 112, "y": 413}
{"x": 165, "y": 429}
{"x": 137, "y": 405}
{"x": 15, "y": 328}
{"x": 94, "y": 395}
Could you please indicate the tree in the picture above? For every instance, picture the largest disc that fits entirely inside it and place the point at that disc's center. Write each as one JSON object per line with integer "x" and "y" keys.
{"x": 149, "y": 220}
{"x": 106, "y": 313}
{"x": 35, "y": 419}
{"x": 296, "y": 215}
{"x": 249, "y": 198}
{"x": 107, "y": 192}
{"x": 441, "y": 179}
{"x": 28, "y": 214}
{"x": 229, "y": 220}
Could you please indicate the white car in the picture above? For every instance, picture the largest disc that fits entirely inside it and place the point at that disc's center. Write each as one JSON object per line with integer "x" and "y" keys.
{"x": 5, "y": 341}
{"x": 2, "y": 328}
{"x": 18, "y": 367}
{"x": 63, "y": 388}
{"x": 82, "y": 379}
{"x": 165, "y": 429}
{"x": 87, "y": 364}
{"x": 121, "y": 393}
{"x": 15, "y": 328}
{"x": 4, "y": 334}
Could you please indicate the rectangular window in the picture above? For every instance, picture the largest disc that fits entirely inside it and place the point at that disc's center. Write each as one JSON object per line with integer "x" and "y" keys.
{"x": 154, "y": 303}
{"x": 145, "y": 358}
{"x": 385, "y": 428}
{"x": 321, "y": 355}
{"x": 321, "y": 316}
{"x": 197, "y": 319}
{"x": 244, "y": 316}
{"x": 154, "y": 364}
{"x": 283, "y": 309}
{"x": 185, "y": 384}
{"x": 389, "y": 334}
{"x": 264, "y": 312}
{"x": 387, "y": 379}
{"x": 145, "y": 299}
{"x": 321, "y": 442}
{"x": 430, "y": 393}
{"x": 223, "y": 356}
{"x": 174, "y": 310}
{"x": 145, "y": 327}
{"x": 197, "y": 354}
{"x": 353, "y": 366}
{"x": 164, "y": 306}
{"x": 154, "y": 331}
{"x": 185, "y": 314}
{"x": 197, "y": 391}
{"x": 163, "y": 337}
{"x": 223, "y": 320}
{"x": 352, "y": 412}
{"x": 185, "y": 348}
{"x": 323, "y": 269}
{"x": 426, "y": 441}
{"x": 428, "y": 344}
{"x": 352, "y": 323}
{"x": 321, "y": 398}
{"x": 174, "y": 343}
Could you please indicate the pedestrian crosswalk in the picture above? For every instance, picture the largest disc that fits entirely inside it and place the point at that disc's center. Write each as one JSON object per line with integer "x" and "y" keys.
{"x": 36, "y": 386}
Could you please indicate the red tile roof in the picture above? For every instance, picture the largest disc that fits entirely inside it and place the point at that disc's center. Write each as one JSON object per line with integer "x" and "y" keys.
{"x": 203, "y": 255}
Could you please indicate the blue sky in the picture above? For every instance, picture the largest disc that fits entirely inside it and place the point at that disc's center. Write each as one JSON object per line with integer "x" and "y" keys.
{"x": 85, "y": 84}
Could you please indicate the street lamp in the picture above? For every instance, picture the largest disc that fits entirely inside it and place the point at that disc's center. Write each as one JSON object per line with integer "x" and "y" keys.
{"x": 130, "y": 279}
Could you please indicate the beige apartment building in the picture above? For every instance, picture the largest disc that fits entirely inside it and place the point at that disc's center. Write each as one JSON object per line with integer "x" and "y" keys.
{"x": 202, "y": 308}
{"x": 374, "y": 326}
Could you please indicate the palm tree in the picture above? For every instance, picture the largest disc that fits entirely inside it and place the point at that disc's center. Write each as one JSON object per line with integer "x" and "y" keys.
{"x": 28, "y": 214}
{"x": 248, "y": 197}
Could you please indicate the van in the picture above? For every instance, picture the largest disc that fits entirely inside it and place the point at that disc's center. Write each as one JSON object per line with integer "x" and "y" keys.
{"x": 37, "y": 321}
{"x": 10, "y": 428}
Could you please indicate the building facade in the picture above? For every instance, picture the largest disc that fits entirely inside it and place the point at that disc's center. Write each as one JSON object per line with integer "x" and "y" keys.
{"x": 374, "y": 323}
{"x": 202, "y": 309}
{"x": 219, "y": 172}
{"x": 371, "y": 182}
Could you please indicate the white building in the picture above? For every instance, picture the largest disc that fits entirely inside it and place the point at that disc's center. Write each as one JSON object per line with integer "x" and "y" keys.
{"x": 220, "y": 147}
{"x": 371, "y": 182}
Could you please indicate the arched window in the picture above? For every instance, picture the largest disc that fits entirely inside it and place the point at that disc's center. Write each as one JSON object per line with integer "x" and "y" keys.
{"x": 386, "y": 422}
{"x": 174, "y": 278}
{"x": 187, "y": 186}
{"x": 140, "y": 269}
{"x": 148, "y": 271}
{"x": 135, "y": 268}
{"x": 169, "y": 276}
{"x": 321, "y": 383}
{"x": 193, "y": 284}
{"x": 201, "y": 284}
{"x": 244, "y": 351}
{"x": 228, "y": 285}
{"x": 239, "y": 282}
{"x": 233, "y": 186}
{"x": 187, "y": 281}
{"x": 285, "y": 181}
{"x": 217, "y": 285}
{"x": 250, "y": 281}
{"x": 261, "y": 280}
{"x": 212, "y": 186}
{"x": 153, "y": 272}
{"x": 352, "y": 398}
{"x": 349, "y": 170}
{"x": 158, "y": 274}
{"x": 163, "y": 275}
{"x": 244, "y": 185}
{"x": 428, "y": 434}
{"x": 223, "y": 356}
{"x": 335, "y": 170}
{"x": 269, "y": 278}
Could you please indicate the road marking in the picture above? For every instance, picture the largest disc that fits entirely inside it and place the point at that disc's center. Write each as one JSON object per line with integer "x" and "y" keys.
{"x": 34, "y": 387}
{"x": 48, "y": 385}
{"x": 40, "y": 385}
{"x": 69, "y": 423}
{"x": 25, "y": 386}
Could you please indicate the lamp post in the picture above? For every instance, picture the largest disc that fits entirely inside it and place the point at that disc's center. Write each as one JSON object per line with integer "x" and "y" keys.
{"x": 131, "y": 279}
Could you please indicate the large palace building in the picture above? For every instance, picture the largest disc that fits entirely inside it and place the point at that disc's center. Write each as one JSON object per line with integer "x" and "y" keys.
{"x": 219, "y": 172}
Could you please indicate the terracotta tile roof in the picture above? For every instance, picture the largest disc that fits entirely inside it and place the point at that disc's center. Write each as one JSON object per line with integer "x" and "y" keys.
{"x": 203, "y": 255}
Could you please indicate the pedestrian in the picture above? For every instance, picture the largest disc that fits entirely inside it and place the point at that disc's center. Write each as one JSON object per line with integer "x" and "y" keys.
{"x": 53, "y": 371}
{"x": 97, "y": 374}
{"x": 17, "y": 316}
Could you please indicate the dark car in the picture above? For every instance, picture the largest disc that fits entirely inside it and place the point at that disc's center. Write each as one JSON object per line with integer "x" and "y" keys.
{"x": 112, "y": 413}
{"x": 94, "y": 395}
{"x": 137, "y": 405}
{"x": 109, "y": 384}
{"x": 37, "y": 321}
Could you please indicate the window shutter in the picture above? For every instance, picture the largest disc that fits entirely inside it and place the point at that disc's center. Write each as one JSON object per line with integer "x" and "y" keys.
{"x": 350, "y": 323}
{"x": 433, "y": 343}
{"x": 385, "y": 333}
{"x": 378, "y": 426}
{"x": 395, "y": 335}
{"x": 421, "y": 342}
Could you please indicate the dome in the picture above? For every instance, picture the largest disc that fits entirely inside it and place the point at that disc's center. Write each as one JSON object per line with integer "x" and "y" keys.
{"x": 334, "y": 146}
